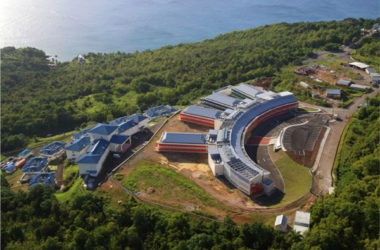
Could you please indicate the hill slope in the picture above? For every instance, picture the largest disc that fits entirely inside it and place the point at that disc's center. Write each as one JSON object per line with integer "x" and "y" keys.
{"x": 37, "y": 100}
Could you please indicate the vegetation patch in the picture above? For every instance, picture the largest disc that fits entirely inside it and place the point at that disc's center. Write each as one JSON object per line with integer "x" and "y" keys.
{"x": 75, "y": 190}
{"x": 297, "y": 178}
{"x": 308, "y": 109}
{"x": 167, "y": 184}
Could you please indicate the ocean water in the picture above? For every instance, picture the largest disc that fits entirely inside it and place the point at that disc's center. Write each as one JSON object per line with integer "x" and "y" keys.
{"x": 70, "y": 27}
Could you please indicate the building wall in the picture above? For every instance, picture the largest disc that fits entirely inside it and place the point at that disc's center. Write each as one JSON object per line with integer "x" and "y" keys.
{"x": 197, "y": 119}
{"x": 84, "y": 167}
{"x": 186, "y": 148}
{"x": 216, "y": 169}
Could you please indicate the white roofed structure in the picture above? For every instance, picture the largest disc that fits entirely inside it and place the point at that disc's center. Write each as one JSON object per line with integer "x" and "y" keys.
{"x": 301, "y": 221}
{"x": 359, "y": 65}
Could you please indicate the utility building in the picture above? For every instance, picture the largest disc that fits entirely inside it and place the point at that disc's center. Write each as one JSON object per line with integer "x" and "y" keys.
{"x": 301, "y": 222}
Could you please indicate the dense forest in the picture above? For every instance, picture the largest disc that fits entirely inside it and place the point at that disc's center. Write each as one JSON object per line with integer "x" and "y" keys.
{"x": 347, "y": 219}
{"x": 37, "y": 100}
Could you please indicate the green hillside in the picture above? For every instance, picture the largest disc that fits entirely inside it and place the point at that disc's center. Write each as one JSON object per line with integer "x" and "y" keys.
{"x": 347, "y": 219}
{"x": 37, "y": 100}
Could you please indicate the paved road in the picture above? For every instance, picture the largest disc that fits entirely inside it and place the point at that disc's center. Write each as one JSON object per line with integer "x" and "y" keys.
{"x": 323, "y": 175}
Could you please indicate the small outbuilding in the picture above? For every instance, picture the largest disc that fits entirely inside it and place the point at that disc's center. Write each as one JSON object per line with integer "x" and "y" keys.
{"x": 359, "y": 65}
{"x": 304, "y": 85}
{"x": 359, "y": 87}
{"x": 370, "y": 70}
{"x": 333, "y": 93}
{"x": 343, "y": 83}
{"x": 375, "y": 78}
{"x": 281, "y": 223}
{"x": 301, "y": 222}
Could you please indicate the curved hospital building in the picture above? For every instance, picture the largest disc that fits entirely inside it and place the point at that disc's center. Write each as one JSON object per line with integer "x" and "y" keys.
{"x": 233, "y": 112}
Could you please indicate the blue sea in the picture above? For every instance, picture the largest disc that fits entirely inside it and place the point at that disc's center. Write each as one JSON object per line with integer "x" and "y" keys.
{"x": 70, "y": 27}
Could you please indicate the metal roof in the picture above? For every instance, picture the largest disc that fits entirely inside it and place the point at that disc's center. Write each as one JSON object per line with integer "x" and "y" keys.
{"x": 35, "y": 164}
{"x": 203, "y": 112}
{"x": 281, "y": 220}
{"x": 103, "y": 129}
{"x": 222, "y": 99}
{"x": 52, "y": 148}
{"x": 359, "y": 65}
{"x": 359, "y": 86}
{"x": 79, "y": 144}
{"x": 248, "y": 116}
{"x": 302, "y": 219}
{"x": 160, "y": 110}
{"x": 25, "y": 152}
{"x": 94, "y": 152}
{"x": 247, "y": 90}
{"x": 137, "y": 118}
{"x": 89, "y": 159}
{"x": 333, "y": 91}
{"x": 119, "y": 120}
{"x": 43, "y": 178}
{"x": 183, "y": 138}
{"x": 79, "y": 134}
{"x": 343, "y": 82}
{"x": 119, "y": 139}
{"x": 98, "y": 147}
{"x": 126, "y": 125}
{"x": 371, "y": 70}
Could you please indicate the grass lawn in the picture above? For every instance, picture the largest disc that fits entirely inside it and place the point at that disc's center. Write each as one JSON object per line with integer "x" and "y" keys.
{"x": 3, "y": 158}
{"x": 13, "y": 181}
{"x": 44, "y": 141}
{"x": 330, "y": 55}
{"x": 69, "y": 171}
{"x": 168, "y": 185}
{"x": 308, "y": 109}
{"x": 296, "y": 177}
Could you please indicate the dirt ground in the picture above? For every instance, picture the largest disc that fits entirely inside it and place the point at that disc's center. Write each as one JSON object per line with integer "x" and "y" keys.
{"x": 194, "y": 167}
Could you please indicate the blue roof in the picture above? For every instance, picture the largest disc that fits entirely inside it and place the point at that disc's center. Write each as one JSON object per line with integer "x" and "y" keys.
{"x": 35, "y": 164}
{"x": 88, "y": 158}
{"x": 222, "y": 99}
{"x": 98, "y": 147}
{"x": 119, "y": 120}
{"x": 43, "y": 178}
{"x": 186, "y": 138}
{"x": 343, "y": 82}
{"x": 333, "y": 91}
{"x": 79, "y": 134}
{"x": 79, "y": 144}
{"x": 137, "y": 118}
{"x": 103, "y": 129}
{"x": 94, "y": 152}
{"x": 126, "y": 125}
{"x": 204, "y": 112}
{"x": 119, "y": 139}
{"x": 52, "y": 148}
{"x": 160, "y": 110}
{"x": 25, "y": 152}
{"x": 10, "y": 166}
{"x": 247, "y": 117}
